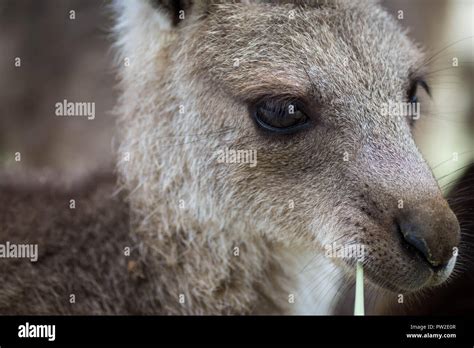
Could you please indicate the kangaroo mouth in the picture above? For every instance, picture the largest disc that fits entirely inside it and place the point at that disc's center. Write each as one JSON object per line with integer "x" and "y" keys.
{"x": 411, "y": 252}
{"x": 417, "y": 281}
{"x": 403, "y": 268}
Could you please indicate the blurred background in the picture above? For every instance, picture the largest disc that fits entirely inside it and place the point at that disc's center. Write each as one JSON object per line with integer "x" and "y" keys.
{"x": 71, "y": 58}
{"x": 61, "y": 58}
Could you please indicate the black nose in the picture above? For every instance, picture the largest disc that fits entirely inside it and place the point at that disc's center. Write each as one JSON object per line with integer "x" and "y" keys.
{"x": 412, "y": 236}
{"x": 432, "y": 232}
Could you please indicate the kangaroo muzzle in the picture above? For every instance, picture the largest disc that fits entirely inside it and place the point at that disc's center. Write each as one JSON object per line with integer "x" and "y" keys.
{"x": 432, "y": 231}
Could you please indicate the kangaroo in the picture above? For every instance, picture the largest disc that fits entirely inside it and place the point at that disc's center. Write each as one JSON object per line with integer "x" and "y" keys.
{"x": 253, "y": 139}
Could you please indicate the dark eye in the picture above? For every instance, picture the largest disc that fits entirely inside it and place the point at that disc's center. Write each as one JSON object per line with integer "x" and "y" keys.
{"x": 413, "y": 99}
{"x": 282, "y": 117}
{"x": 413, "y": 89}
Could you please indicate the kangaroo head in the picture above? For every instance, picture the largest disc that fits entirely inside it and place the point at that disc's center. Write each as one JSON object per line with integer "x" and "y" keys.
{"x": 269, "y": 120}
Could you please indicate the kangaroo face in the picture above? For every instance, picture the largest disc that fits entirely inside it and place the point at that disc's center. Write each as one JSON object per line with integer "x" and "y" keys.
{"x": 303, "y": 86}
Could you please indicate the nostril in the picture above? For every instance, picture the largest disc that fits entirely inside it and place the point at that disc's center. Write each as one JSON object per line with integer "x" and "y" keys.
{"x": 417, "y": 243}
{"x": 429, "y": 231}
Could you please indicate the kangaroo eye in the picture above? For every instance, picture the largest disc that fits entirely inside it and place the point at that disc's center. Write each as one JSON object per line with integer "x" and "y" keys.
{"x": 412, "y": 91}
{"x": 413, "y": 99}
{"x": 280, "y": 117}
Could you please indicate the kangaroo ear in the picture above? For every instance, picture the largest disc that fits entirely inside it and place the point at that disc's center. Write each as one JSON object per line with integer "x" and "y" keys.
{"x": 176, "y": 10}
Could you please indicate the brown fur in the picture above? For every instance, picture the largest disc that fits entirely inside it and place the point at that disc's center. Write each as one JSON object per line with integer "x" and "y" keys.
{"x": 188, "y": 213}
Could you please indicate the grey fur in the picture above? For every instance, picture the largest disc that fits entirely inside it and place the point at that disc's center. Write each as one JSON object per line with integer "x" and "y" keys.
{"x": 184, "y": 214}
